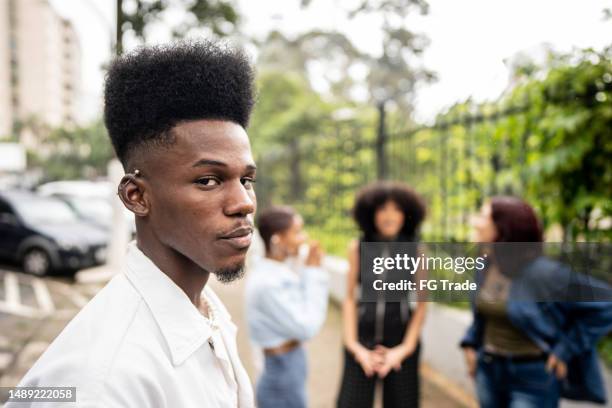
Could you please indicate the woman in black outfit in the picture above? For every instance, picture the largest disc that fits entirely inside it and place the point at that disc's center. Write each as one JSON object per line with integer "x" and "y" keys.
{"x": 381, "y": 338}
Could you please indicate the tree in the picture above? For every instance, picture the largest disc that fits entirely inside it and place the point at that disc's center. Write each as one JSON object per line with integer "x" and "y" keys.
{"x": 218, "y": 16}
{"x": 288, "y": 111}
{"x": 73, "y": 153}
{"x": 572, "y": 161}
{"x": 392, "y": 75}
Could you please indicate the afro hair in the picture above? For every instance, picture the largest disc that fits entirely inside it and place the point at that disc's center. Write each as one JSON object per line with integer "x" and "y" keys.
{"x": 154, "y": 88}
{"x": 373, "y": 196}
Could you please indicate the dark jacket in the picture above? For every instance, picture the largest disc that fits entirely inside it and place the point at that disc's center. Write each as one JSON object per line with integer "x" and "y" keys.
{"x": 569, "y": 330}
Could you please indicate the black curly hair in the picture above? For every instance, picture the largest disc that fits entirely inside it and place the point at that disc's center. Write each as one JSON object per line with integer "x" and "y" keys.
{"x": 375, "y": 195}
{"x": 154, "y": 88}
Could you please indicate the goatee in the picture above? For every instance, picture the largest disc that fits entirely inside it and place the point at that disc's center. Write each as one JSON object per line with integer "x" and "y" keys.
{"x": 230, "y": 273}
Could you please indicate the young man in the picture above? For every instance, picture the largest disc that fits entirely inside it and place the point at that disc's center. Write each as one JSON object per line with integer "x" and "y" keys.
{"x": 155, "y": 336}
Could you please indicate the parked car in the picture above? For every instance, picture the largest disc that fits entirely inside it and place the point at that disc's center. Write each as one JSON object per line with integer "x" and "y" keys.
{"x": 91, "y": 209}
{"x": 91, "y": 200}
{"x": 44, "y": 234}
{"x": 80, "y": 188}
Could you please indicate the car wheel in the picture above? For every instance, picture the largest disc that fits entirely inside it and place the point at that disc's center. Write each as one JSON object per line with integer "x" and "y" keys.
{"x": 36, "y": 261}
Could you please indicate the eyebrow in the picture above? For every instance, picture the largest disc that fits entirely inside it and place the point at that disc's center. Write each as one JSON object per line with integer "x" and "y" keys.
{"x": 209, "y": 162}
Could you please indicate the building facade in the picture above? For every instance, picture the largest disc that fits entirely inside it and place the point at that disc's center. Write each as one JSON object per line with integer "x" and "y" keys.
{"x": 40, "y": 69}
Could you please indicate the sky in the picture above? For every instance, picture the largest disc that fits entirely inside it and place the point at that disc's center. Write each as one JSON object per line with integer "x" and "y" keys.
{"x": 469, "y": 39}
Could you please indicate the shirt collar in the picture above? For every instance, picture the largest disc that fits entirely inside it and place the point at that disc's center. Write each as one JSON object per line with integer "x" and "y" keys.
{"x": 181, "y": 324}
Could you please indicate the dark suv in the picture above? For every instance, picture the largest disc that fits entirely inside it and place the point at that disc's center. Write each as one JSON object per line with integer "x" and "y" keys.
{"x": 44, "y": 234}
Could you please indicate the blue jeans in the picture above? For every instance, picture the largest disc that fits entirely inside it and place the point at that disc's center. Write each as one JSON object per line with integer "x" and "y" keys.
{"x": 283, "y": 381}
{"x": 503, "y": 383}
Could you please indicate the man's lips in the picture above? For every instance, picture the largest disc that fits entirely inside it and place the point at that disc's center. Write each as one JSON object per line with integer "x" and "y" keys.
{"x": 238, "y": 238}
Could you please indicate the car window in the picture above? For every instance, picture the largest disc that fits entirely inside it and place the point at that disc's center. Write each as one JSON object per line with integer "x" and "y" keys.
{"x": 46, "y": 211}
{"x": 92, "y": 208}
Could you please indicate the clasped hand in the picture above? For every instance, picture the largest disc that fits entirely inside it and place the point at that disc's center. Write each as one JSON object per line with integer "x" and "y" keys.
{"x": 381, "y": 360}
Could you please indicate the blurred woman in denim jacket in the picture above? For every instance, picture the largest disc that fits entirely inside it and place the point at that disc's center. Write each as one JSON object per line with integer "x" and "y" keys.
{"x": 523, "y": 351}
{"x": 286, "y": 305}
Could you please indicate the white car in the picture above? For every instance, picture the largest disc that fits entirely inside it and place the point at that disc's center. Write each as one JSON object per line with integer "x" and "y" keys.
{"x": 90, "y": 200}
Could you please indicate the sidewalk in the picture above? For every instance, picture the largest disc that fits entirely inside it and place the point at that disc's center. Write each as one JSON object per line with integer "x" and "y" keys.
{"x": 33, "y": 311}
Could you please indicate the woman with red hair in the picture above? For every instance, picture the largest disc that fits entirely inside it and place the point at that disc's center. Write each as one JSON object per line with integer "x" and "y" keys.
{"x": 524, "y": 350}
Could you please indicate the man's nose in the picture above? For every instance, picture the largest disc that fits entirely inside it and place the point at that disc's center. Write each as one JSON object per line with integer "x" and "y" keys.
{"x": 240, "y": 200}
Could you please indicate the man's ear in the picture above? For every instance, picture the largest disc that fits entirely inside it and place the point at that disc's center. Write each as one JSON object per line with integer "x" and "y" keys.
{"x": 132, "y": 193}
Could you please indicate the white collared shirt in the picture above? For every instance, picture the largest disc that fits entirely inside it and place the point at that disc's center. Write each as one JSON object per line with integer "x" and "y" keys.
{"x": 140, "y": 342}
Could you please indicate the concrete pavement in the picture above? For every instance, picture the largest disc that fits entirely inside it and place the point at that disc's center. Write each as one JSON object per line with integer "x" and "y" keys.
{"x": 33, "y": 311}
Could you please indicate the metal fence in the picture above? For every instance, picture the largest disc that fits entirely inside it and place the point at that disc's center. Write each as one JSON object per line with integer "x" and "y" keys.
{"x": 455, "y": 164}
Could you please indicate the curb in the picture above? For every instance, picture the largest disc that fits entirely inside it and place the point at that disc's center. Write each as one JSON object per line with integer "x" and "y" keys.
{"x": 449, "y": 387}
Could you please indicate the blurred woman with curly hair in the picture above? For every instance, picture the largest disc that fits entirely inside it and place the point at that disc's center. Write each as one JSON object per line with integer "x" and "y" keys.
{"x": 381, "y": 338}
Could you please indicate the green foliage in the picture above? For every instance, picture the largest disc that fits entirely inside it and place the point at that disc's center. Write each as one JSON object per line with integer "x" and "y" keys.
{"x": 286, "y": 109}
{"x": 74, "y": 153}
{"x": 547, "y": 139}
{"x": 314, "y": 150}
{"x": 390, "y": 75}
{"x": 568, "y": 170}
{"x": 219, "y": 16}
{"x": 295, "y": 141}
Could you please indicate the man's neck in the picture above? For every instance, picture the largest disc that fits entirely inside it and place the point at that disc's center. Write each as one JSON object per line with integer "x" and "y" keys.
{"x": 183, "y": 271}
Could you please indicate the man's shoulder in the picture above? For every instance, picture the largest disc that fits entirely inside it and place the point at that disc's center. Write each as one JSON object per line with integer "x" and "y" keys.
{"x": 85, "y": 349}
{"x": 111, "y": 310}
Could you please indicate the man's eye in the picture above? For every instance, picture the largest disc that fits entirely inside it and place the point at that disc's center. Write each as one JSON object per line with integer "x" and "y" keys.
{"x": 248, "y": 182}
{"x": 208, "y": 181}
